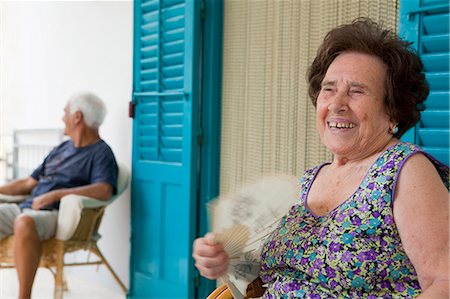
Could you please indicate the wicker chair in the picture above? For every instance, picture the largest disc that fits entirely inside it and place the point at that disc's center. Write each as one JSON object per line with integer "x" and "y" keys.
{"x": 79, "y": 218}
{"x": 254, "y": 290}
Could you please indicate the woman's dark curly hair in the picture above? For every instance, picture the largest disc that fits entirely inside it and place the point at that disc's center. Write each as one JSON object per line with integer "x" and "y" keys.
{"x": 405, "y": 85}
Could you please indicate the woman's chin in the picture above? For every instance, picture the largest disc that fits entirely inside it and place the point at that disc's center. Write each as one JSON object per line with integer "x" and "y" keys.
{"x": 339, "y": 145}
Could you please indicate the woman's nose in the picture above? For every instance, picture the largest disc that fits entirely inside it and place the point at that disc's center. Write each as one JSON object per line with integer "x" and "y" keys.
{"x": 339, "y": 102}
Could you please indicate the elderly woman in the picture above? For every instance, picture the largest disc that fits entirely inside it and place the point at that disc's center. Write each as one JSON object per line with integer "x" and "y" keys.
{"x": 373, "y": 223}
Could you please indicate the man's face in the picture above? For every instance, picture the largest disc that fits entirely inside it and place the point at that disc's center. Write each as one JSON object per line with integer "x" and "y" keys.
{"x": 68, "y": 120}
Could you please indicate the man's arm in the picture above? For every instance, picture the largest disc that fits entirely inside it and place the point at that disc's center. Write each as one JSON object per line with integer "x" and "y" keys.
{"x": 19, "y": 187}
{"x": 100, "y": 191}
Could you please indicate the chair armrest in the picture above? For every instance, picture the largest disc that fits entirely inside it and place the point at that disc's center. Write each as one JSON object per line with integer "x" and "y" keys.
{"x": 12, "y": 198}
{"x": 69, "y": 214}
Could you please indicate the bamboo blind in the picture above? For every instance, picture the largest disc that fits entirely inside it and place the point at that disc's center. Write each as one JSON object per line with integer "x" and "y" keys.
{"x": 268, "y": 121}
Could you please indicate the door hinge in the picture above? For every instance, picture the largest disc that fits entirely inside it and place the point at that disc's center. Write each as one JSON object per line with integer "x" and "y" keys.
{"x": 203, "y": 10}
{"x": 197, "y": 280}
{"x": 200, "y": 137}
{"x": 131, "y": 106}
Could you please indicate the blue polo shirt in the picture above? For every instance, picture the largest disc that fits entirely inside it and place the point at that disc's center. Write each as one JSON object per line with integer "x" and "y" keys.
{"x": 67, "y": 166}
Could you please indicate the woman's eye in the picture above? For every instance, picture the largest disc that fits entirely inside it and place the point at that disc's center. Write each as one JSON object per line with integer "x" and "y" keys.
{"x": 357, "y": 91}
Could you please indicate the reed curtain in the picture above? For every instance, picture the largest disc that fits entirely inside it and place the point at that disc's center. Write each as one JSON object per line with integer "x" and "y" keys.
{"x": 268, "y": 121}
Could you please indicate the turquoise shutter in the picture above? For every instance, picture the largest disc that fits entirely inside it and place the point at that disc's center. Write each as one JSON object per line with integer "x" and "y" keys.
{"x": 426, "y": 23}
{"x": 164, "y": 181}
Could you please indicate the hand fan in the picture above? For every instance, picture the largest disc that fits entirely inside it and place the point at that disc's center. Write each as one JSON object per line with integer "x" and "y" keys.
{"x": 241, "y": 221}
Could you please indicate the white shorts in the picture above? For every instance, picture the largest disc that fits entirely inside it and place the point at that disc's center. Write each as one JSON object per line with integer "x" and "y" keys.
{"x": 45, "y": 221}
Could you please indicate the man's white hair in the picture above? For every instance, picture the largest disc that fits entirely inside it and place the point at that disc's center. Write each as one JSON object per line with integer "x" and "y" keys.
{"x": 92, "y": 107}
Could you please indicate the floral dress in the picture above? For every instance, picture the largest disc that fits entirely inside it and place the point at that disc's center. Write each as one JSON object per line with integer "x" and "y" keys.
{"x": 352, "y": 252}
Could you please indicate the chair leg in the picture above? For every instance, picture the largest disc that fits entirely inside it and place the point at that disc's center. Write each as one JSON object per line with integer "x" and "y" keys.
{"x": 65, "y": 285}
{"x": 59, "y": 267}
{"x": 96, "y": 251}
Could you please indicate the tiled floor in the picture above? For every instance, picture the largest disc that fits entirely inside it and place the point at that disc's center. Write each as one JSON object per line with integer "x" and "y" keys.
{"x": 44, "y": 284}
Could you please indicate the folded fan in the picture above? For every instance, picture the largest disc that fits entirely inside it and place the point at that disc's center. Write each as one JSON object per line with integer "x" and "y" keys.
{"x": 241, "y": 221}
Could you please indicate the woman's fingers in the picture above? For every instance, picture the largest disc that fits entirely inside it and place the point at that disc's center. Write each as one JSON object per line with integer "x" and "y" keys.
{"x": 210, "y": 259}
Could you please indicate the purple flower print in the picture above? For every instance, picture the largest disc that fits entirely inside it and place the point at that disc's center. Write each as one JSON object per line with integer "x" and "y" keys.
{"x": 340, "y": 217}
{"x": 304, "y": 261}
{"x": 388, "y": 220}
{"x": 333, "y": 284}
{"x": 387, "y": 166}
{"x": 356, "y": 221}
{"x": 361, "y": 256}
{"x": 277, "y": 286}
{"x": 400, "y": 287}
{"x": 318, "y": 263}
{"x": 385, "y": 284}
{"x": 323, "y": 233}
{"x": 335, "y": 246}
{"x": 364, "y": 207}
{"x": 331, "y": 273}
{"x": 347, "y": 257}
{"x": 371, "y": 255}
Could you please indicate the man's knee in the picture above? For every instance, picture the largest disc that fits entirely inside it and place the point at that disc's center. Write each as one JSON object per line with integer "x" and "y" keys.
{"x": 24, "y": 224}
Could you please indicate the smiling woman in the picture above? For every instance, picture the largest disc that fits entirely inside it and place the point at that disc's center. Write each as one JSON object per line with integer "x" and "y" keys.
{"x": 351, "y": 117}
{"x": 365, "y": 224}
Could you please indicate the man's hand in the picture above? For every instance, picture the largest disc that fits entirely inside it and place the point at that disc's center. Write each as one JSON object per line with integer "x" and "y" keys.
{"x": 45, "y": 199}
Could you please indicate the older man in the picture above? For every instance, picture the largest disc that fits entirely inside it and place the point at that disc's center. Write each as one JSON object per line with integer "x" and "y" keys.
{"x": 83, "y": 165}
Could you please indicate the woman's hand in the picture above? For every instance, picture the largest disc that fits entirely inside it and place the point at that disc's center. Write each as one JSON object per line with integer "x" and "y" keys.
{"x": 210, "y": 258}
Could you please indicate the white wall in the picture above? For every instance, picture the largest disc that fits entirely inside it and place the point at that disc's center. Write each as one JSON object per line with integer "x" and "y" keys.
{"x": 52, "y": 49}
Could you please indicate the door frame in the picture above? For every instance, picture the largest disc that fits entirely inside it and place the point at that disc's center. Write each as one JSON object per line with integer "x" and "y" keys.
{"x": 211, "y": 109}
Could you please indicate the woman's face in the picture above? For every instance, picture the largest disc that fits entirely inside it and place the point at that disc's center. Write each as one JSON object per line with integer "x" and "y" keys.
{"x": 351, "y": 117}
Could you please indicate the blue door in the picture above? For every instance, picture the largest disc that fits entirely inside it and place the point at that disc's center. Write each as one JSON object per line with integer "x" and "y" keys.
{"x": 165, "y": 148}
{"x": 426, "y": 23}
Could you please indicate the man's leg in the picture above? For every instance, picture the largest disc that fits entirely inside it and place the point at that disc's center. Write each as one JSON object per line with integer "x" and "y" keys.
{"x": 27, "y": 252}
{"x": 8, "y": 213}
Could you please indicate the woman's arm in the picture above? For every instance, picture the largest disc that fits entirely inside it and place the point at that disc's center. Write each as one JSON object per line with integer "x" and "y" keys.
{"x": 421, "y": 212}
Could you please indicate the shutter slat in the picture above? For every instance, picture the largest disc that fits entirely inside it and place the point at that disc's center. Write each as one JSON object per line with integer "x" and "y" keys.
{"x": 435, "y": 24}
{"x": 433, "y": 2}
{"x": 173, "y": 83}
{"x": 148, "y": 130}
{"x": 172, "y": 130}
{"x": 435, "y": 43}
{"x": 172, "y": 106}
{"x": 438, "y": 100}
{"x": 435, "y": 118}
{"x": 147, "y": 6}
{"x": 172, "y": 142}
{"x": 434, "y": 137}
{"x": 436, "y": 62}
{"x": 148, "y": 63}
{"x": 438, "y": 81}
